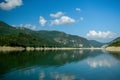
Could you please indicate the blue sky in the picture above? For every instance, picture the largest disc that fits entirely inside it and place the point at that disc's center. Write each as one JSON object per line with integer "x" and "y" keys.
{"x": 92, "y": 19}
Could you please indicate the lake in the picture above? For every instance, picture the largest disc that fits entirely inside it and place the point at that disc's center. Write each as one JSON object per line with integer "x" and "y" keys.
{"x": 60, "y": 65}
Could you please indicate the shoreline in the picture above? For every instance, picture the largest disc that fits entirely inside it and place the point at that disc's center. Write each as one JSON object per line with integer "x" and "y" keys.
{"x": 9, "y": 48}
{"x": 63, "y": 48}
{"x": 112, "y": 49}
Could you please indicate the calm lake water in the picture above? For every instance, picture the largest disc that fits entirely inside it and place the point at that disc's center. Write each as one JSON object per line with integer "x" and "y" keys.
{"x": 60, "y": 65}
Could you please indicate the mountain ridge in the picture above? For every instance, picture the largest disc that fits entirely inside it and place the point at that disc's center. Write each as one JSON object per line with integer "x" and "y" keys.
{"x": 115, "y": 42}
{"x": 12, "y": 36}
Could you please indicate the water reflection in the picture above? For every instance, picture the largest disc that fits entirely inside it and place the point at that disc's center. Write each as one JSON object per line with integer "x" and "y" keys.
{"x": 41, "y": 75}
{"x": 17, "y": 60}
{"x": 102, "y": 61}
{"x": 115, "y": 54}
{"x": 64, "y": 76}
{"x": 59, "y": 65}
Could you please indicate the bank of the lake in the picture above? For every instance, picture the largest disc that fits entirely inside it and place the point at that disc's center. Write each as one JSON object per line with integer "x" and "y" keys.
{"x": 8, "y": 48}
{"x": 63, "y": 48}
{"x": 113, "y": 48}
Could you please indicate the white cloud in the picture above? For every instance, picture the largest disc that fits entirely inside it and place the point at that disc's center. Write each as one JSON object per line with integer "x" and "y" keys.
{"x": 30, "y": 26}
{"x": 57, "y": 15}
{"x": 101, "y": 34}
{"x": 10, "y": 4}
{"x": 13, "y": 25}
{"x": 63, "y": 20}
{"x": 33, "y": 27}
{"x": 78, "y": 9}
{"x": 27, "y": 25}
{"x": 59, "y": 19}
{"x": 42, "y": 21}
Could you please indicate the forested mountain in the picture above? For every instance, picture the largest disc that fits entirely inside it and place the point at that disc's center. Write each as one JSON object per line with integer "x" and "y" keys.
{"x": 11, "y": 36}
{"x": 64, "y": 39}
{"x": 115, "y": 42}
{"x": 20, "y": 36}
{"x": 96, "y": 43}
{"x": 117, "y": 39}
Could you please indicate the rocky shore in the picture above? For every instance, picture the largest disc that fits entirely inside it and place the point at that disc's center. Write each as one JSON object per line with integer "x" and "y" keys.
{"x": 8, "y": 48}
{"x": 113, "y": 49}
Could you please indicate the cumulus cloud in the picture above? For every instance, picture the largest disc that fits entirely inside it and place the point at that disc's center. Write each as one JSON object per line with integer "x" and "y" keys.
{"x": 42, "y": 21}
{"x": 27, "y": 25}
{"x": 57, "y": 15}
{"x": 33, "y": 27}
{"x": 101, "y": 34}
{"x": 63, "y": 20}
{"x": 59, "y": 18}
{"x": 10, "y": 4}
{"x": 78, "y": 9}
{"x": 30, "y": 26}
{"x": 13, "y": 25}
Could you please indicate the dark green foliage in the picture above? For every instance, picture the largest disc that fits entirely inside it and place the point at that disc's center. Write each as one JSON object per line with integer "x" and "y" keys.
{"x": 11, "y": 36}
{"x": 20, "y": 36}
{"x": 117, "y": 43}
{"x": 64, "y": 39}
{"x": 22, "y": 40}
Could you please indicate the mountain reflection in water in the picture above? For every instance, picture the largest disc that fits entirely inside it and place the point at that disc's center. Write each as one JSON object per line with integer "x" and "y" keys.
{"x": 59, "y": 65}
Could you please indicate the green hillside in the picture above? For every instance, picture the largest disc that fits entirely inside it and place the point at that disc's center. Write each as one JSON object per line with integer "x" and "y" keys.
{"x": 96, "y": 43}
{"x": 64, "y": 39}
{"x": 115, "y": 42}
{"x": 11, "y": 36}
{"x": 20, "y": 36}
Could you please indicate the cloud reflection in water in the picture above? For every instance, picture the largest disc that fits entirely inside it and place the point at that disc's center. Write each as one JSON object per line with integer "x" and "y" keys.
{"x": 102, "y": 61}
{"x": 58, "y": 76}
